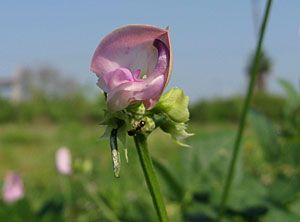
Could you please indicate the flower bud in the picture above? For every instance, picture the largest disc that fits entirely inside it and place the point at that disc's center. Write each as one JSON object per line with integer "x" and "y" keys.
{"x": 13, "y": 188}
{"x": 63, "y": 161}
{"x": 175, "y": 104}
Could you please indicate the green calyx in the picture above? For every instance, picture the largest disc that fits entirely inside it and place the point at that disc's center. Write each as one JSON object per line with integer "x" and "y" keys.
{"x": 170, "y": 114}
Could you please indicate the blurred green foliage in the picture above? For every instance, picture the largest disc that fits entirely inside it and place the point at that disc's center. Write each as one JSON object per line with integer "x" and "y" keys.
{"x": 229, "y": 109}
{"x": 54, "y": 109}
{"x": 77, "y": 107}
{"x": 266, "y": 186}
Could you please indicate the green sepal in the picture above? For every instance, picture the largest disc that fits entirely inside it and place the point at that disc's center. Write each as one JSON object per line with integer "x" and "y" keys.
{"x": 122, "y": 135}
{"x": 114, "y": 119}
{"x": 107, "y": 131}
{"x": 120, "y": 121}
{"x": 137, "y": 109}
{"x": 176, "y": 130}
{"x": 174, "y": 103}
{"x": 108, "y": 119}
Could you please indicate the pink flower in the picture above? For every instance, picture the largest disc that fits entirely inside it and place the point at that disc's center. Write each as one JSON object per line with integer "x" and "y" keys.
{"x": 63, "y": 161}
{"x": 133, "y": 64}
{"x": 13, "y": 188}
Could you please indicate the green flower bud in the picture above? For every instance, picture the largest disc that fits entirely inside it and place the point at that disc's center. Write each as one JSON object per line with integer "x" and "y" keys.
{"x": 175, "y": 104}
{"x": 87, "y": 166}
{"x": 84, "y": 166}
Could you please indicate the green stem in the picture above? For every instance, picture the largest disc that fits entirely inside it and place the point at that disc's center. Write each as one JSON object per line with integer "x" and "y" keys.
{"x": 246, "y": 105}
{"x": 151, "y": 180}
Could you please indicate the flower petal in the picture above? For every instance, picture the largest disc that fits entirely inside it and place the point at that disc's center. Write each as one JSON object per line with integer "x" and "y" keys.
{"x": 129, "y": 46}
{"x": 142, "y": 49}
{"x": 130, "y": 92}
{"x": 63, "y": 161}
{"x": 13, "y": 188}
{"x": 137, "y": 74}
{"x": 162, "y": 67}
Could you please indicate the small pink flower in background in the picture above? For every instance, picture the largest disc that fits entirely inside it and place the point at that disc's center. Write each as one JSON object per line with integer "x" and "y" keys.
{"x": 13, "y": 188}
{"x": 63, "y": 161}
{"x": 133, "y": 63}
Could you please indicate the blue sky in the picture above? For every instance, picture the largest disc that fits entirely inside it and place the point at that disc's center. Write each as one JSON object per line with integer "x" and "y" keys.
{"x": 211, "y": 39}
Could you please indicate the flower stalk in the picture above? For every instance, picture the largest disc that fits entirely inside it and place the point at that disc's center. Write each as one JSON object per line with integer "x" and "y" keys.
{"x": 245, "y": 110}
{"x": 150, "y": 177}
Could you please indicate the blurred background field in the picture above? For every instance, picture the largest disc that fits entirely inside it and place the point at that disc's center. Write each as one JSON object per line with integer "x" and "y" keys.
{"x": 266, "y": 186}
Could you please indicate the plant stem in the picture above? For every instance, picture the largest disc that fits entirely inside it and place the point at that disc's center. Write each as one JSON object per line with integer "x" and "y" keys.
{"x": 246, "y": 105}
{"x": 150, "y": 177}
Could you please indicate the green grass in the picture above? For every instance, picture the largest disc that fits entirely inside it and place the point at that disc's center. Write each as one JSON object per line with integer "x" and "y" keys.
{"x": 30, "y": 150}
{"x": 22, "y": 145}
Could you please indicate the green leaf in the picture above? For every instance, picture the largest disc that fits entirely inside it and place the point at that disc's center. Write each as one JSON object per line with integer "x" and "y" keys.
{"x": 284, "y": 191}
{"x": 277, "y": 214}
{"x": 122, "y": 135}
{"x": 175, "y": 188}
{"x": 175, "y": 104}
{"x": 266, "y": 135}
{"x": 292, "y": 108}
{"x": 290, "y": 90}
{"x": 17, "y": 211}
{"x": 106, "y": 134}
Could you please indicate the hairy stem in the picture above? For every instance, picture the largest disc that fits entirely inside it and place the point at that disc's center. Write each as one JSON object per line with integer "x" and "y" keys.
{"x": 150, "y": 177}
{"x": 245, "y": 110}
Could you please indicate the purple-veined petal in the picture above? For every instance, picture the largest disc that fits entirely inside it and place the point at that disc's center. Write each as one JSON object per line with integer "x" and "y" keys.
{"x": 137, "y": 74}
{"x": 129, "y": 46}
{"x": 127, "y": 93}
{"x": 119, "y": 77}
{"x": 163, "y": 57}
{"x": 162, "y": 67}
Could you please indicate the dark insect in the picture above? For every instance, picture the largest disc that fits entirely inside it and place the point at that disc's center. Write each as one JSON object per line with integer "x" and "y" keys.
{"x": 133, "y": 132}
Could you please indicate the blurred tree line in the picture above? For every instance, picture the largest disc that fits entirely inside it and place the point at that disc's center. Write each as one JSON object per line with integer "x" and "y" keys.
{"x": 229, "y": 109}
{"x": 47, "y": 95}
{"x": 78, "y": 107}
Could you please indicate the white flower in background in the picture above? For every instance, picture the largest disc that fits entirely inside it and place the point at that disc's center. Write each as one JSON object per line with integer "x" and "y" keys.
{"x": 63, "y": 161}
{"x": 13, "y": 188}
